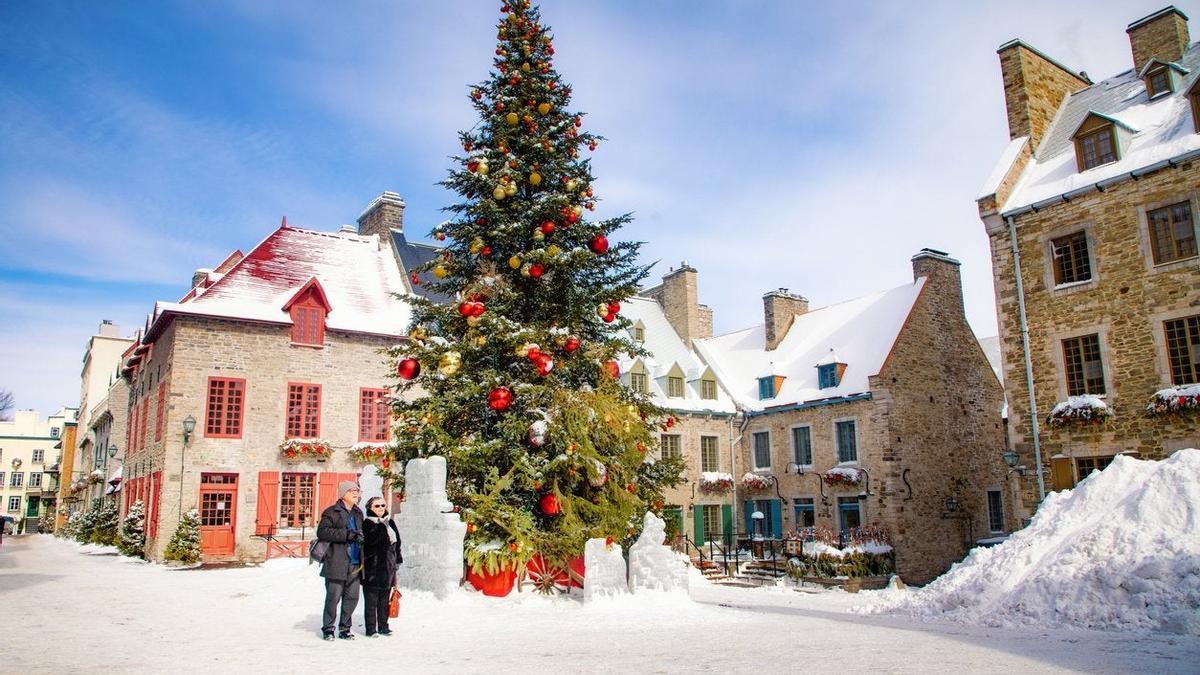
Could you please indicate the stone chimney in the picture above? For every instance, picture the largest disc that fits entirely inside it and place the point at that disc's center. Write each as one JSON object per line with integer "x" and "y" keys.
{"x": 1034, "y": 88}
{"x": 779, "y": 310}
{"x": 1163, "y": 35}
{"x": 679, "y": 299}
{"x": 384, "y": 214}
{"x": 199, "y": 275}
{"x": 108, "y": 329}
{"x": 942, "y": 276}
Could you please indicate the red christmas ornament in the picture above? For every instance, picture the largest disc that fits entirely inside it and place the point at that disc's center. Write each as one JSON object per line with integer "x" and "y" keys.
{"x": 500, "y": 399}
{"x": 416, "y": 281}
{"x": 408, "y": 369}
{"x": 536, "y": 270}
{"x": 578, "y": 121}
{"x": 610, "y": 317}
{"x": 472, "y": 166}
{"x": 572, "y": 217}
{"x": 478, "y": 308}
{"x": 464, "y": 308}
{"x": 470, "y": 528}
{"x": 631, "y": 487}
{"x": 670, "y": 421}
{"x": 614, "y": 370}
{"x": 549, "y": 504}
{"x": 614, "y": 307}
{"x": 544, "y": 364}
{"x": 548, "y": 227}
{"x": 440, "y": 236}
{"x": 599, "y": 244}
{"x": 571, "y": 344}
{"x": 485, "y": 251}
{"x": 608, "y": 541}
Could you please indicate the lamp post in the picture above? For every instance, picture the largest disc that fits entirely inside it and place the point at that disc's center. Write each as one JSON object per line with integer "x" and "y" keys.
{"x": 189, "y": 426}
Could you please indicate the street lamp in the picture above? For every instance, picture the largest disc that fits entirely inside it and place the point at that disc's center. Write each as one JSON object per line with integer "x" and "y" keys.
{"x": 1010, "y": 460}
{"x": 189, "y": 425}
{"x": 112, "y": 450}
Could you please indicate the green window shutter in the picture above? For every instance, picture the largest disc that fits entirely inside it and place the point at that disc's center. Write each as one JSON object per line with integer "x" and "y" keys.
{"x": 698, "y": 525}
{"x": 727, "y": 523}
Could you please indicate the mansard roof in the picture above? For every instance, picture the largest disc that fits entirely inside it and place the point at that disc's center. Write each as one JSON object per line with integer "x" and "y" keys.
{"x": 412, "y": 255}
{"x": 860, "y": 332}
{"x": 359, "y": 279}
{"x": 1162, "y": 131}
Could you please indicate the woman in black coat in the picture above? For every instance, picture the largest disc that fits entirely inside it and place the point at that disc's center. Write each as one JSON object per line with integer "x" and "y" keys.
{"x": 381, "y": 556}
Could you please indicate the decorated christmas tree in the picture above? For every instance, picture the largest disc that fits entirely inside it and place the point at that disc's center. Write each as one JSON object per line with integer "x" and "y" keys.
{"x": 185, "y": 543}
{"x": 516, "y": 382}
{"x": 133, "y": 531}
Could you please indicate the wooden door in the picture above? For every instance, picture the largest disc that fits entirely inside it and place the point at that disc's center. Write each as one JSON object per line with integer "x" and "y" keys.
{"x": 218, "y": 513}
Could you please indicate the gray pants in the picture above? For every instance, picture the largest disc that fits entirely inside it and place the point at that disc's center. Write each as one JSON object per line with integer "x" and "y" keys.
{"x": 345, "y": 593}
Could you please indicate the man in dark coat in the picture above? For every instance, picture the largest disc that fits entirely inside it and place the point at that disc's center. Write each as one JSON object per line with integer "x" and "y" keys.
{"x": 341, "y": 527}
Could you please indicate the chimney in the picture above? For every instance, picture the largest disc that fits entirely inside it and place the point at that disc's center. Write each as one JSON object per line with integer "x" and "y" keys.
{"x": 199, "y": 275}
{"x": 108, "y": 329}
{"x": 779, "y": 310}
{"x": 384, "y": 214}
{"x": 942, "y": 276}
{"x": 678, "y": 297}
{"x": 1034, "y": 88}
{"x": 1163, "y": 35}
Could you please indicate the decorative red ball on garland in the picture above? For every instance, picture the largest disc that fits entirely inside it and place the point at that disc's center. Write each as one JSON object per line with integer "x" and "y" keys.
{"x": 464, "y": 308}
{"x": 548, "y": 227}
{"x": 478, "y": 308}
{"x": 536, "y": 270}
{"x": 409, "y": 369}
{"x": 549, "y": 504}
{"x": 614, "y": 307}
{"x": 571, "y": 344}
{"x": 610, "y": 317}
{"x": 599, "y": 244}
{"x": 500, "y": 399}
{"x": 614, "y": 370}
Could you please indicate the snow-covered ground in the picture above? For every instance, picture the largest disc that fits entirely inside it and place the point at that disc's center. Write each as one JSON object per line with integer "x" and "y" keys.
{"x": 82, "y": 609}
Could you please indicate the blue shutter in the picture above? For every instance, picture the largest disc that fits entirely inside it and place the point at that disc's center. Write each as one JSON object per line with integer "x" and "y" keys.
{"x": 749, "y": 509}
{"x": 776, "y": 519}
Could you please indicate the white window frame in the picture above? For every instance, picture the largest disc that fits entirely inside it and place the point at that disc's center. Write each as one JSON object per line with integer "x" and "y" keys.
{"x": 704, "y": 384}
{"x": 662, "y": 445}
{"x": 672, "y": 381}
{"x": 717, "y": 444}
{"x": 39, "y": 456}
{"x": 14, "y": 499}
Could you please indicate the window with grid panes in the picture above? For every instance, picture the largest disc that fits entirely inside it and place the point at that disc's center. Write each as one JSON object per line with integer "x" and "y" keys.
{"x": 1172, "y": 233}
{"x": 223, "y": 412}
{"x": 296, "y": 491}
{"x": 39, "y": 456}
{"x": 1084, "y": 466}
{"x": 14, "y": 504}
{"x": 1158, "y": 82}
{"x": 675, "y": 387}
{"x": 710, "y": 456}
{"x": 1085, "y": 371}
{"x": 712, "y": 521}
{"x": 995, "y": 511}
{"x": 639, "y": 334}
{"x": 805, "y": 511}
{"x": 708, "y": 390}
{"x": 35, "y": 479}
{"x": 1183, "y": 349}
{"x": 669, "y": 445}
{"x": 847, "y": 443}
{"x": 1071, "y": 261}
{"x": 303, "y": 410}
{"x": 1096, "y": 148}
{"x": 637, "y": 382}
{"x": 308, "y": 322}
{"x": 17, "y": 479}
{"x": 373, "y": 415}
{"x": 762, "y": 450}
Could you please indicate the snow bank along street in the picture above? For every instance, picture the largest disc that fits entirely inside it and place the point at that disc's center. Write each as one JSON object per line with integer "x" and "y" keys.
{"x": 125, "y": 615}
{"x": 1121, "y": 551}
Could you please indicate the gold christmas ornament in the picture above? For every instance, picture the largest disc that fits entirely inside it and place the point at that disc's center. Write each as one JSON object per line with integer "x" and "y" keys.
{"x": 602, "y": 311}
{"x": 512, "y": 118}
{"x": 543, "y": 108}
{"x": 476, "y": 245}
{"x": 512, "y": 190}
{"x": 481, "y": 340}
{"x": 553, "y": 250}
{"x": 538, "y": 235}
{"x": 439, "y": 271}
{"x": 571, "y": 185}
{"x": 483, "y": 169}
{"x": 450, "y": 363}
{"x": 535, "y": 178}
{"x": 577, "y": 210}
{"x": 525, "y": 269}
{"x": 514, "y": 262}
{"x": 473, "y": 320}
{"x": 525, "y": 67}
{"x": 499, "y": 193}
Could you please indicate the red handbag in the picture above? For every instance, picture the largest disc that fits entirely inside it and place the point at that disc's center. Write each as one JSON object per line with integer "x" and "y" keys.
{"x": 394, "y": 604}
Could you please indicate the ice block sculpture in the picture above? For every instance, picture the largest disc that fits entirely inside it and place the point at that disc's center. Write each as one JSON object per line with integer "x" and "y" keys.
{"x": 431, "y": 532}
{"x": 605, "y": 575}
{"x": 652, "y": 564}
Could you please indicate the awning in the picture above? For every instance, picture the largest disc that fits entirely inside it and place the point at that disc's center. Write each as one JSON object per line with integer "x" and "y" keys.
{"x": 115, "y": 478}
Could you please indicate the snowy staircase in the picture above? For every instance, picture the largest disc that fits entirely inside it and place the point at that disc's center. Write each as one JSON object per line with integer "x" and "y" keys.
{"x": 763, "y": 572}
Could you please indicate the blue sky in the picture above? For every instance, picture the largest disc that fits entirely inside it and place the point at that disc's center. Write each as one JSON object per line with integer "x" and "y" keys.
{"x": 804, "y": 145}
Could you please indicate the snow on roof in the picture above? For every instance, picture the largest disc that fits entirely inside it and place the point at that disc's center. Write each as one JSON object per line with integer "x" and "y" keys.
{"x": 1164, "y": 130}
{"x": 861, "y": 331}
{"x": 667, "y": 350}
{"x": 360, "y": 281}
{"x": 1003, "y": 166}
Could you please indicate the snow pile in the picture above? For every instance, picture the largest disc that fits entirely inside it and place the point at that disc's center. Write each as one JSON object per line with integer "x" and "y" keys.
{"x": 1120, "y": 551}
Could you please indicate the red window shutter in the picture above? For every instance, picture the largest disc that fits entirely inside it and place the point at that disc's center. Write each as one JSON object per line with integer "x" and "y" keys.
{"x": 326, "y": 491}
{"x": 316, "y": 319}
{"x": 267, "y": 516}
{"x": 160, "y": 410}
{"x": 145, "y": 420}
{"x": 155, "y": 499}
{"x": 131, "y": 433}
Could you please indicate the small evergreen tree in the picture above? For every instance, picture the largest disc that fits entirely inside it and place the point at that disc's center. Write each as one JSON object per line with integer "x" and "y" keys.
{"x": 133, "y": 531}
{"x": 185, "y": 543}
{"x": 83, "y": 524}
{"x": 107, "y": 523}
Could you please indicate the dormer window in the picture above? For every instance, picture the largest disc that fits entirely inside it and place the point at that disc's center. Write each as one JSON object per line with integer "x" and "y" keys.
{"x": 675, "y": 387}
{"x": 639, "y": 381}
{"x": 766, "y": 387}
{"x": 708, "y": 389}
{"x": 639, "y": 332}
{"x": 1162, "y": 77}
{"x": 308, "y": 309}
{"x": 1100, "y": 140}
{"x": 827, "y": 376}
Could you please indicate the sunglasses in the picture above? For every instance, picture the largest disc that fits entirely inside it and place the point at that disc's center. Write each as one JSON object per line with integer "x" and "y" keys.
{"x": 378, "y": 506}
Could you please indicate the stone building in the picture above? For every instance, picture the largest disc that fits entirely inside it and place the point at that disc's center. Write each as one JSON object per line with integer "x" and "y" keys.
{"x": 892, "y": 394}
{"x": 248, "y": 397}
{"x": 1091, "y": 214}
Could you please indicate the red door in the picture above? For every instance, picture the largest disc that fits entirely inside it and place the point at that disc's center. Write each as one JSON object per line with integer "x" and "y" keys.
{"x": 218, "y": 513}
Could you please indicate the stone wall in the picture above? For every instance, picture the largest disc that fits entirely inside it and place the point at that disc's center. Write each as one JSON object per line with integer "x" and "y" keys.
{"x": 1163, "y": 36}
{"x": 194, "y": 349}
{"x": 1126, "y": 303}
{"x": 687, "y": 495}
{"x": 1034, "y": 88}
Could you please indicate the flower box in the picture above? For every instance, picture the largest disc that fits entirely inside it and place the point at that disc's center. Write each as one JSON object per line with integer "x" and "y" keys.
{"x": 1080, "y": 411}
{"x": 843, "y": 478}
{"x": 1175, "y": 401}
{"x": 713, "y": 482}
{"x": 304, "y": 448}
{"x": 370, "y": 453}
{"x": 754, "y": 481}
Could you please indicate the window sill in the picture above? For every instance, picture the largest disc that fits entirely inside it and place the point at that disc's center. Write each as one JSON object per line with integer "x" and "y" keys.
{"x": 1171, "y": 265}
{"x": 302, "y": 344}
{"x": 852, "y": 463}
{"x": 1074, "y": 286}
